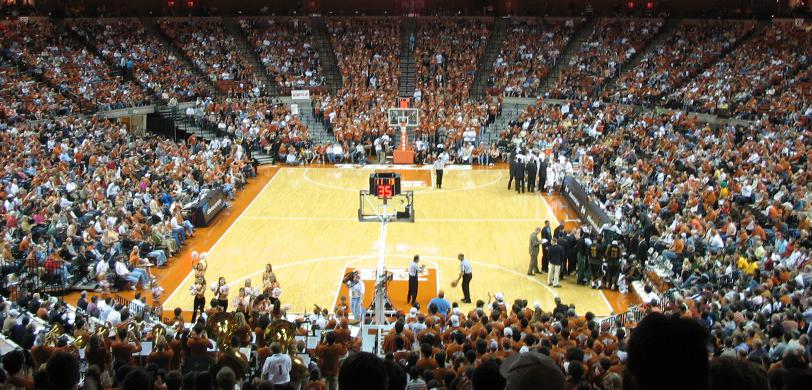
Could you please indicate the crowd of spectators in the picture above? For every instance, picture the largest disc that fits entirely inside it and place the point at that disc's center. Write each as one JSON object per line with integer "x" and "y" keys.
{"x": 743, "y": 83}
{"x": 215, "y": 52}
{"x": 531, "y": 49}
{"x": 613, "y": 42}
{"x": 687, "y": 50}
{"x": 447, "y": 51}
{"x": 725, "y": 205}
{"x": 86, "y": 199}
{"x": 722, "y": 338}
{"x": 367, "y": 50}
{"x": 142, "y": 56}
{"x": 286, "y": 49}
{"x": 22, "y": 98}
{"x": 259, "y": 124}
{"x": 68, "y": 66}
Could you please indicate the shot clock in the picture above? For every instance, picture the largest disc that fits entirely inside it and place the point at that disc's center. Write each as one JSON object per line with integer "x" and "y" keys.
{"x": 384, "y": 185}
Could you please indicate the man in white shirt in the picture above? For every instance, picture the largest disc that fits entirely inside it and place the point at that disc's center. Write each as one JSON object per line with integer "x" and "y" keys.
{"x": 277, "y": 367}
{"x": 357, "y": 291}
{"x": 133, "y": 277}
{"x": 439, "y": 166}
{"x": 105, "y": 308}
{"x": 114, "y": 316}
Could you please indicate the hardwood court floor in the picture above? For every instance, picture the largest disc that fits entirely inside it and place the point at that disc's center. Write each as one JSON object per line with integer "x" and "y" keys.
{"x": 304, "y": 222}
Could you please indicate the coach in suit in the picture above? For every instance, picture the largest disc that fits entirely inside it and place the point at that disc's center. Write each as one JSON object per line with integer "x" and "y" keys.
{"x": 542, "y": 173}
{"x": 546, "y": 237}
{"x": 531, "y": 174}
{"x": 535, "y": 242}
{"x": 520, "y": 171}
{"x": 512, "y": 164}
{"x": 556, "y": 253}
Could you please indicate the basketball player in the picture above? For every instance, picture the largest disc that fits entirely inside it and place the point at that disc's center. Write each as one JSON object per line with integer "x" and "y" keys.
{"x": 595, "y": 259}
{"x": 466, "y": 274}
{"x": 439, "y": 165}
{"x": 612, "y": 264}
{"x": 414, "y": 272}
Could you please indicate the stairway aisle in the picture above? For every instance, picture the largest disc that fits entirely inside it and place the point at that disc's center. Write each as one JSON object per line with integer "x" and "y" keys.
{"x": 249, "y": 55}
{"x": 408, "y": 67}
{"x": 151, "y": 27}
{"x": 315, "y": 129}
{"x": 572, "y": 48}
{"x": 665, "y": 31}
{"x": 485, "y": 64}
{"x": 509, "y": 113}
{"x": 327, "y": 56}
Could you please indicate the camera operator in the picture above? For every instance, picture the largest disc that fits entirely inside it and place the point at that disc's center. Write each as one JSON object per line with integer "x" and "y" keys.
{"x": 357, "y": 291}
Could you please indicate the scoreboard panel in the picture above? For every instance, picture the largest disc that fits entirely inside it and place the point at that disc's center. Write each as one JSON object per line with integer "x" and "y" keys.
{"x": 384, "y": 185}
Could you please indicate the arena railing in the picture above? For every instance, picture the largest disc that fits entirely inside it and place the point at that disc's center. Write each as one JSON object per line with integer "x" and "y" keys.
{"x": 636, "y": 313}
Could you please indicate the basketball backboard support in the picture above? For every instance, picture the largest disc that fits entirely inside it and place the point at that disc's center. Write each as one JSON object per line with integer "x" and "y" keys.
{"x": 397, "y": 116}
{"x": 398, "y": 208}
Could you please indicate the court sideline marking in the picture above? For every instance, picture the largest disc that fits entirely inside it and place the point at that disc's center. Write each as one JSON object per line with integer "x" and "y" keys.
{"x": 225, "y": 233}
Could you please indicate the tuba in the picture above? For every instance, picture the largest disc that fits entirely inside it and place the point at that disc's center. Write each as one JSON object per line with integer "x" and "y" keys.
{"x": 282, "y": 332}
{"x": 220, "y": 326}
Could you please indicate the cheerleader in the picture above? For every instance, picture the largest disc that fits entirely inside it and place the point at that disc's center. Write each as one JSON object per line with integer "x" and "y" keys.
{"x": 242, "y": 301}
{"x": 198, "y": 290}
{"x": 221, "y": 293}
{"x": 251, "y": 292}
{"x": 200, "y": 265}
{"x": 269, "y": 281}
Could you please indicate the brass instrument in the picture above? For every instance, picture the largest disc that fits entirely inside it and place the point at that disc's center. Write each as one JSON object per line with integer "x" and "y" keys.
{"x": 158, "y": 330}
{"x": 103, "y": 331}
{"x": 54, "y": 334}
{"x": 282, "y": 332}
{"x": 80, "y": 342}
{"x": 220, "y": 327}
{"x": 133, "y": 331}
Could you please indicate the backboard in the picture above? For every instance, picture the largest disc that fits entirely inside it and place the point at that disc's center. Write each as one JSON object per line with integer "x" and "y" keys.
{"x": 396, "y": 116}
{"x": 397, "y": 208}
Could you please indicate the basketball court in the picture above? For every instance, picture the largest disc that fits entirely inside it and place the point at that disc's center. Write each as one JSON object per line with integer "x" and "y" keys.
{"x": 305, "y": 223}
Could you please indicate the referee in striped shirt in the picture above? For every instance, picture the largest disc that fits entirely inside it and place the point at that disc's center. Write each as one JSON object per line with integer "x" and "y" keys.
{"x": 414, "y": 271}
